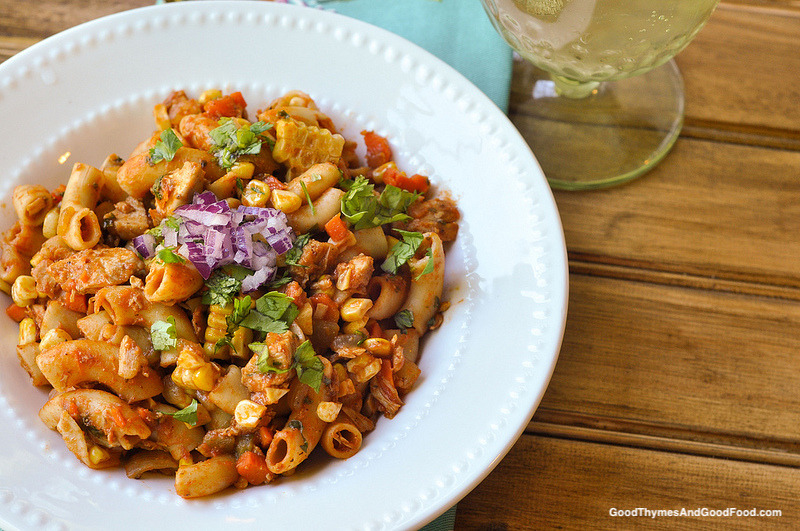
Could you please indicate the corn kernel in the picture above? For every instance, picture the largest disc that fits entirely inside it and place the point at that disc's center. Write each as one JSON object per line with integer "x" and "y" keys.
{"x": 378, "y": 346}
{"x": 299, "y": 146}
{"x": 97, "y": 455}
{"x": 53, "y": 337}
{"x": 27, "y": 331}
{"x": 328, "y": 411}
{"x": 305, "y": 319}
{"x": 364, "y": 367}
{"x": 241, "y": 338}
{"x": 177, "y": 377}
{"x": 248, "y": 413}
{"x": 271, "y": 395}
{"x": 161, "y": 116}
{"x": 356, "y": 327}
{"x": 286, "y": 201}
{"x": 242, "y": 170}
{"x": 50, "y": 223}
{"x": 186, "y": 461}
{"x": 23, "y": 291}
{"x": 256, "y": 194}
{"x": 5, "y": 287}
{"x": 208, "y": 95}
{"x": 205, "y": 378}
{"x": 354, "y": 309}
{"x": 188, "y": 359}
{"x": 218, "y": 320}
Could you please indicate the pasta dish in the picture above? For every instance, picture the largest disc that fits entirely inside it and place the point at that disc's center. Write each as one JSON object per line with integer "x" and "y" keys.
{"x": 232, "y": 295}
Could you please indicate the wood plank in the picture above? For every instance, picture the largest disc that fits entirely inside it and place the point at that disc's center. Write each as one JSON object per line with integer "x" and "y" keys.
{"x": 695, "y": 361}
{"x": 42, "y": 18}
{"x": 13, "y": 45}
{"x": 547, "y": 483}
{"x": 717, "y": 210}
{"x": 743, "y": 68}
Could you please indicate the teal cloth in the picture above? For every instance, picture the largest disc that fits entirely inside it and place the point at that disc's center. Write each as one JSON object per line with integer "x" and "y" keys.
{"x": 456, "y": 31}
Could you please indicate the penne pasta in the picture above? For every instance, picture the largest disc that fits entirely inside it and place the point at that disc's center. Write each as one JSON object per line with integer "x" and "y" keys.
{"x": 341, "y": 439}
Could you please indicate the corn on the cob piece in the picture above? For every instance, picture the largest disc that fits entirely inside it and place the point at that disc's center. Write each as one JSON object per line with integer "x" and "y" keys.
{"x": 299, "y": 146}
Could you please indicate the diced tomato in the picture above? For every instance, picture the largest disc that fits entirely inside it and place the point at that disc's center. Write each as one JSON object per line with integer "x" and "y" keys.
{"x": 252, "y": 467}
{"x": 265, "y": 436}
{"x": 374, "y": 329}
{"x": 17, "y": 313}
{"x": 415, "y": 183}
{"x": 296, "y": 292}
{"x": 231, "y": 105}
{"x": 331, "y": 311}
{"x": 378, "y": 149}
{"x": 74, "y": 301}
{"x": 58, "y": 194}
{"x": 274, "y": 183}
{"x": 336, "y": 228}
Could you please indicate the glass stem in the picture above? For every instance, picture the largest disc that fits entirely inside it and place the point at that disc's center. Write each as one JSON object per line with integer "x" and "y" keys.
{"x": 570, "y": 88}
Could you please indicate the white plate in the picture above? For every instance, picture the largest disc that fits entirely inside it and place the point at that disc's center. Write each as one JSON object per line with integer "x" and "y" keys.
{"x": 90, "y": 91}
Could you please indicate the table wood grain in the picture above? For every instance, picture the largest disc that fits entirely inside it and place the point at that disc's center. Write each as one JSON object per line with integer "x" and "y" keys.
{"x": 677, "y": 383}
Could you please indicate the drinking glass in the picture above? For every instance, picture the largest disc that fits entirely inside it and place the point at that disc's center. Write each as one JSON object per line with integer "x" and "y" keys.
{"x": 606, "y": 98}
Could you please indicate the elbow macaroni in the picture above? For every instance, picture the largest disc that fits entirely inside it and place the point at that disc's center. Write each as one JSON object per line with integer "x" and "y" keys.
{"x": 262, "y": 376}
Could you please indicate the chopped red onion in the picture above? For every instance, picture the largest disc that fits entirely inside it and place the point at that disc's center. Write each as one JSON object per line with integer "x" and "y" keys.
{"x": 145, "y": 245}
{"x": 212, "y": 235}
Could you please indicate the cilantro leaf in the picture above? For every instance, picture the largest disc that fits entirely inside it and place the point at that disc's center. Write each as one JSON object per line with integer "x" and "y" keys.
{"x": 402, "y": 250}
{"x": 428, "y": 265}
{"x": 292, "y": 256}
{"x": 263, "y": 362}
{"x": 309, "y": 367}
{"x": 363, "y": 209}
{"x": 231, "y": 141}
{"x": 241, "y": 309}
{"x": 168, "y": 256}
{"x": 166, "y": 147}
{"x": 187, "y": 414}
{"x": 163, "y": 334}
{"x": 404, "y": 319}
{"x": 222, "y": 288}
{"x": 274, "y": 312}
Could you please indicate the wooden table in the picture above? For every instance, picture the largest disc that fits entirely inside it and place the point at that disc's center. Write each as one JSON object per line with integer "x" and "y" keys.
{"x": 677, "y": 384}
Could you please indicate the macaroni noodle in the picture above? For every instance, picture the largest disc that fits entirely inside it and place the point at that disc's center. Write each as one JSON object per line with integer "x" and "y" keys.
{"x": 232, "y": 295}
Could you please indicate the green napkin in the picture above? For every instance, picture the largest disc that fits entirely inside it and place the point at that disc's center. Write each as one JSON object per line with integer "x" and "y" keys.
{"x": 456, "y": 31}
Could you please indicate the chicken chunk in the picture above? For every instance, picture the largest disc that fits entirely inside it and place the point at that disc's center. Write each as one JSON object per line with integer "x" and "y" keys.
{"x": 89, "y": 270}
{"x": 128, "y": 219}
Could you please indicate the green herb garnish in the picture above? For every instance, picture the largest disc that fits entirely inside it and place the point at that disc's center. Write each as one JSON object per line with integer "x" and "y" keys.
{"x": 222, "y": 288}
{"x": 404, "y": 319}
{"x": 274, "y": 312}
{"x": 187, "y": 414}
{"x": 231, "y": 141}
{"x": 163, "y": 334}
{"x": 364, "y": 210}
{"x": 402, "y": 250}
{"x": 292, "y": 256}
{"x": 309, "y": 367}
{"x": 165, "y": 148}
{"x": 168, "y": 256}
